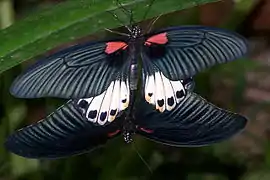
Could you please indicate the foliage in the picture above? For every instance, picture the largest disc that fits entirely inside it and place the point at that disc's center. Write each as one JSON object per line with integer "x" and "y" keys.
{"x": 67, "y": 21}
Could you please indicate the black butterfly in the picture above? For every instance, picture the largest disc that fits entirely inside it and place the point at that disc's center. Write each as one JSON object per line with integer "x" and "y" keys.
{"x": 102, "y": 79}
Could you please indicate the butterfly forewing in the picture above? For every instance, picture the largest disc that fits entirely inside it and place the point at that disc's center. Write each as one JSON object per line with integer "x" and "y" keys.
{"x": 182, "y": 52}
{"x": 63, "y": 133}
{"x": 81, "y": 71}
{"x": 193, "y": 122}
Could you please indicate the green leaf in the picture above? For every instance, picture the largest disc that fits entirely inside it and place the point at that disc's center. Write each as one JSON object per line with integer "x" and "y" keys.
{"x": 70, "y": 20}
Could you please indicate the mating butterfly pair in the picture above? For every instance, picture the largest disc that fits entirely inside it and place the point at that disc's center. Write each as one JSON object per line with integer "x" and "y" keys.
{"x": 102, "y": 79}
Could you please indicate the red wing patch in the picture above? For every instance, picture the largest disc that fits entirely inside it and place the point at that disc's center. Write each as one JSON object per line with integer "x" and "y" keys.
{"x": 157, "y": 39}
{"x": 113, "y": 133}
{"x": 115, "y": 46}
{"x": 149, "y": 131}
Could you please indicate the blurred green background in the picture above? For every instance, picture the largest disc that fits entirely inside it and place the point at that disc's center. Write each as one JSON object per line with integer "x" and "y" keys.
{"x": 33, "y": 28}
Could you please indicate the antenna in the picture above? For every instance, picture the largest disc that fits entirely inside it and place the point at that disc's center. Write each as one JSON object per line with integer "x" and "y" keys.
{"x": 131, "y": 20}
{"x": 126, "y": 11}
{"x": 130, "y": 14}
{"x": 150, "y": 26}
{"x": 121, "y": 22}
{"x": 136, "y": 150}
{"x": 116, "y": 32}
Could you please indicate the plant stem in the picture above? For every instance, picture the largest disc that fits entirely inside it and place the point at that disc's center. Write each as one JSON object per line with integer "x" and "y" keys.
{"x": 6, "y": 13}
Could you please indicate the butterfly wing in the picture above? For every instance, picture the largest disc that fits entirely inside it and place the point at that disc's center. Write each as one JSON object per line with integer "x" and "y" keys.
{"x": 182, "y": 52}
{"x": 106, "y": 107}
{"x": 80, "y": 71}
{"x": 194, "y": 122}
{"x": 62, "y": 133}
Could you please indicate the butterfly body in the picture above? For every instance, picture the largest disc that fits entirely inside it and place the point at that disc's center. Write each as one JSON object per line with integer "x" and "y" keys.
{"x": 134, "y": 45}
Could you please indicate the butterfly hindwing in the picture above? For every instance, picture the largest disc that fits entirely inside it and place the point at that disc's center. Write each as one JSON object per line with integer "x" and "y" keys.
{"x": 193, "y": 122}
{"x": 80, "y": 71}
{"x": 104, "y": 108}
{"x": 161, "y": 92}
{"x": 63, "y": 133}
{"x": 182, "y": 52}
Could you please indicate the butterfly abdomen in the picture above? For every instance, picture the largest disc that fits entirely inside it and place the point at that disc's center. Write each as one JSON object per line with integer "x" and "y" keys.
{"x": 133, "y": 76}
{"x": 133, "y": 73}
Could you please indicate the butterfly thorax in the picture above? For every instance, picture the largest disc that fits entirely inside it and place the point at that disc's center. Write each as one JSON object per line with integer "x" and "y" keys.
{"x": 134, "y": 47}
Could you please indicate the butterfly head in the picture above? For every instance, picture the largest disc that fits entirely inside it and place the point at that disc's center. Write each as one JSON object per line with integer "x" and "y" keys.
{"x": 135, "y": 32}
{"x": 127, "y": 137}
{"x": 128, "y": 130}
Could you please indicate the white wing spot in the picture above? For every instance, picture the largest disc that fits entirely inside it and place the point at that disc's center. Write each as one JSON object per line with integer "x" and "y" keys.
{"x": 160, "y": 92}
{"x": 104, "y": 108}
{"x": 150, "y": 90}
{"x": 163, "y": 93}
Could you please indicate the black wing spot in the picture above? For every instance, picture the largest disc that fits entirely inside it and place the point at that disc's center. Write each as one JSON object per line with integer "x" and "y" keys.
{"x": 150, "y": 94}
{"x": 103, "y": 116}
{"x": 170, "y": 101}
{"x": 92, "y": 114}
{"x": 160, "y": 102}
{"x": 124, "y": 100}
{"x": 83, "y": 104}
{"x": 113, "y": 112}
{"x": 180, "y": 94}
